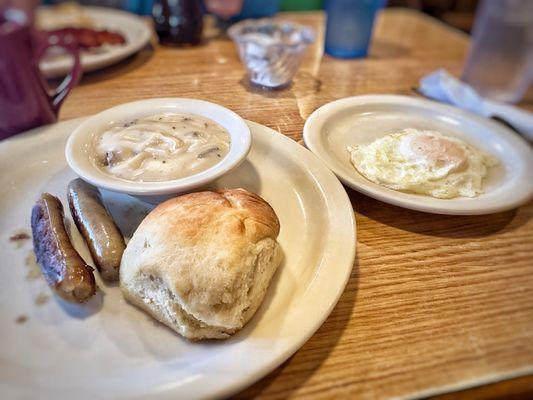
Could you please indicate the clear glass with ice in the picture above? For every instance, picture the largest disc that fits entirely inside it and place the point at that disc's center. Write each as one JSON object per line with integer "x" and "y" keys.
{"x": 271, "y": 50}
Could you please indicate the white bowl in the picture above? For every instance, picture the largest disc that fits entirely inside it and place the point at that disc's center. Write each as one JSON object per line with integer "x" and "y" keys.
{"x": 79, "y": 146}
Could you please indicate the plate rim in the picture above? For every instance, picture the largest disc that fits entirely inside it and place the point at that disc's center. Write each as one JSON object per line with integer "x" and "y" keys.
{"x": 61, "y": 67}
{"x": 313, "y": 131}
{"x": 343, "y": 263}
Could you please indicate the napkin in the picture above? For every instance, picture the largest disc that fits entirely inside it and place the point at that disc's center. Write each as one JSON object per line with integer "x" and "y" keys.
{"x": 441, "y": 86}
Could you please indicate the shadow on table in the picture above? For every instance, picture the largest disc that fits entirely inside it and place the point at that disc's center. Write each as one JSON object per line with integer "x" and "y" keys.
{"x": 303, "y": 364}
{"x": 122, "y": 67}
{"x": 451, "y": 226}
{"x": 303, "y": 84}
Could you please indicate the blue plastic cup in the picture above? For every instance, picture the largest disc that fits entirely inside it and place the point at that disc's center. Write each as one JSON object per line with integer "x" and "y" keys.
{"x": 349, "y": 26}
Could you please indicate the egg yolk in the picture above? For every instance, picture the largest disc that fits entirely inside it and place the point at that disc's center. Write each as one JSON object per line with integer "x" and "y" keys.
{"x": 437, "y": 150}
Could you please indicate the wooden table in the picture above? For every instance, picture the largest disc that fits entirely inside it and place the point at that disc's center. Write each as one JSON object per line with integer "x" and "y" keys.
{"x": 435, "y": 303}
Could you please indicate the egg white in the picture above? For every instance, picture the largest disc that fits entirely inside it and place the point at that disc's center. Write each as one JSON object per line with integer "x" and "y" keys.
{"x": 446, "y": 168}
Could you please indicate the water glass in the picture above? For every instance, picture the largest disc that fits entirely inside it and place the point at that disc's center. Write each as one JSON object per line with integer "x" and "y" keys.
{"x": 500, "y": 62}
{"x": 349, "y": 26}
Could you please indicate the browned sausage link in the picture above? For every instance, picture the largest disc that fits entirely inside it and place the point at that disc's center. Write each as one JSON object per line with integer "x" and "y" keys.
{"x": 103, "y": 237}
{"x": 62, "y": 266}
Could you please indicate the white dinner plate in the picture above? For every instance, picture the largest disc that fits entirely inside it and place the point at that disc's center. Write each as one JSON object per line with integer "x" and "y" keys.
{"x": 109, "y": 349}
{"x": 362, "y": 119}
{"x": 136, "y": 32}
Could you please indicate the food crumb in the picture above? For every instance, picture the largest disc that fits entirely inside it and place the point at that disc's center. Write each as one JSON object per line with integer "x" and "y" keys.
{"x": 42, "y": 298}
{"x": 21, "y": 319}
{"x": 128, "y": 124}
{"x": 19, "y": 238}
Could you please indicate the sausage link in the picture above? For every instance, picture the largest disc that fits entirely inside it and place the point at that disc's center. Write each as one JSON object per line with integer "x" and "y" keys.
{"x": 62, "y": 266}
{"x": 104, "y": 239}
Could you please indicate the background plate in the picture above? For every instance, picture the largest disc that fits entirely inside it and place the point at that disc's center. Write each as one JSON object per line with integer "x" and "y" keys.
{"x": 136, "y": 32}
{"x": 362, "y": 119}
{"x": 110, "y": 349}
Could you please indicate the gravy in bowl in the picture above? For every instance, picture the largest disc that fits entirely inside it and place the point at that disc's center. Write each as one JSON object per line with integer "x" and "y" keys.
{"x": 160, "y": 147}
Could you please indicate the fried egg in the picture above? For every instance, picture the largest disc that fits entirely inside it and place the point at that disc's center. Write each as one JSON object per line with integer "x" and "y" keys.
{"x": 423, "y": 162}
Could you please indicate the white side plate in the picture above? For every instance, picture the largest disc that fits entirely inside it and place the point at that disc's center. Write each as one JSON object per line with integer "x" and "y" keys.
{"x": 136, "y": 32}
{"x": 108, "y": 349}
{"x": 362, "y": 119}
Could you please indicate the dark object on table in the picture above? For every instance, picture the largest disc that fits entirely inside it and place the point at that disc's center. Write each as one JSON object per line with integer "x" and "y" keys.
{"x": 508, "y": 125}
{"x": 104, "y": 239}
{"x": 89, "y": 38}
{"x": 63, "y": 268}
{"x": 178, "y": 22}
{"x": 25, "y": 100}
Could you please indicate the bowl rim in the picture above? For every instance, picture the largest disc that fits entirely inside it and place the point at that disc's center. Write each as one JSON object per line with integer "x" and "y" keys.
{"x": 240, "y": 144}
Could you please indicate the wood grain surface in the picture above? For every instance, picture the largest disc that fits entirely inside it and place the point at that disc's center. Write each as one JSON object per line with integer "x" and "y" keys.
{"x": 435, "y": 303}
